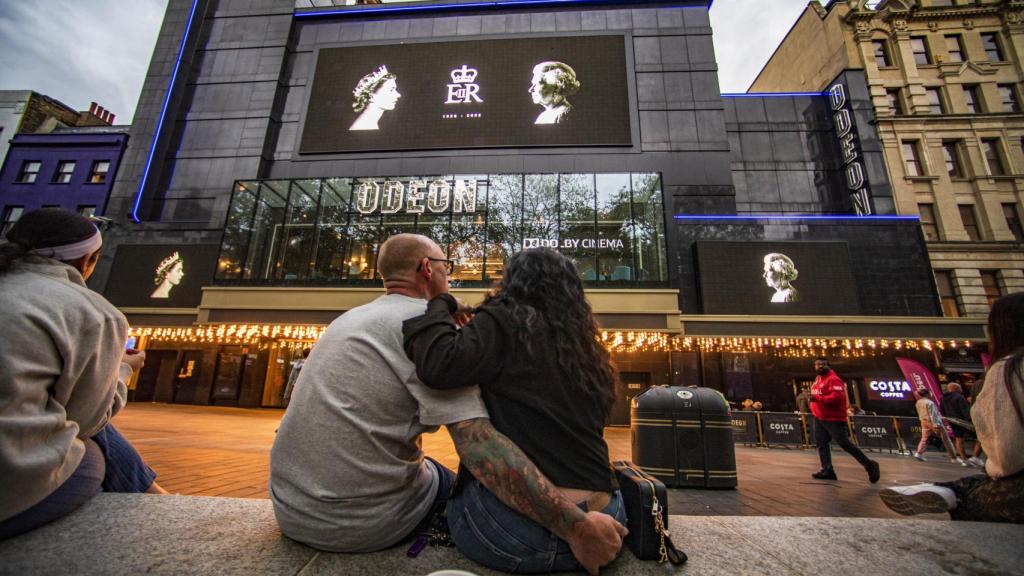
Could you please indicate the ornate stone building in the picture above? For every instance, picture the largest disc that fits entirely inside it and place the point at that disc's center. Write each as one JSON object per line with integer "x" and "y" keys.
{"x": 945, "y": 80}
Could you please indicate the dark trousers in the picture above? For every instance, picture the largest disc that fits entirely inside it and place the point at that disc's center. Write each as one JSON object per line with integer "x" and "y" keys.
{"x": 983, "y": 499}
{"x": 825, "y": 432}
{"x": 110, "y": 464}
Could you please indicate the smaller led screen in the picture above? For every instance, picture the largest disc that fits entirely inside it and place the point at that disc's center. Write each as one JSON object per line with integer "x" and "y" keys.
{"x": 489, "y": 93}
{"x": 787, "y": 278}
{"x": 161, "y": 276}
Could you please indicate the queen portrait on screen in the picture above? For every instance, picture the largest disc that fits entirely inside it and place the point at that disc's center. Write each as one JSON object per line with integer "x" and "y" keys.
{"x": 375, "y": 94}
{"x": 552, "y": 84}
{"x": 779, "y": 273}
{"x": 169, "y": 274}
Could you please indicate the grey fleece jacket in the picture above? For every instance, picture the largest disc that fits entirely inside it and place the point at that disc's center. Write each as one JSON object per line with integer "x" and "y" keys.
{"x": 61, "y": 376}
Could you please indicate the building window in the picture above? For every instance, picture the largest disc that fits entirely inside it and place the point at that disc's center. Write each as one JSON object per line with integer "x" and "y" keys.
{"x": 895, "y": 104}
{"x": 990, "y": 41}
{"x": 971, "y": 98}
{"x": 1008, "y": 94}
{"x": 955, "y": 47}
{"x": 63, "y": 173}
{"x": 951, "y": 155}
{"x": 990, "y": 283}
{"x": 993, "y": 156}
{"x": 929, "y": 225}
{"x": 881, "y": 54}
{"x": 942, "y": 2}
{"x": 98, "y": 174}
{"x": 970, "y": 222}
{"x": 29, "y": 171}
{"x": 11, "y": 215}
{"x": 912, "y": 158}
{"x": 920, "y": 48}
{"x": 87, "y": 211}
{"x": 1013, "y": 221}
{"x": 944, "y": 282}
{"x": 934, "y": 101}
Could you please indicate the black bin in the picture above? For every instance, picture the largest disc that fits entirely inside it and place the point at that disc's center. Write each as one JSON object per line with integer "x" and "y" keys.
{"x": 683, "y": 437}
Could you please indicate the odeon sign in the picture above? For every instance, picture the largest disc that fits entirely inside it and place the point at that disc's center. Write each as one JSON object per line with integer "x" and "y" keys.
{"x": 415, "y": 196}
{"x": 853, "y": 167}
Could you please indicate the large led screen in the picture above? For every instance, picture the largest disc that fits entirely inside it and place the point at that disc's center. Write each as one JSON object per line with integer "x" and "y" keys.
{"x": 490, "y": 93}
{"x": 789, "y": 278}
{"x": 161, "y": 276}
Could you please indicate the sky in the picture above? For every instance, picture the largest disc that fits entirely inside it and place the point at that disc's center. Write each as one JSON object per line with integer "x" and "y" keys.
{"x": 80, "y": 51}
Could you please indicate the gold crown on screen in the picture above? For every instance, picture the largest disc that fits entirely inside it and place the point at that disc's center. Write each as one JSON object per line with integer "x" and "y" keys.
{"x": 464, "y": 75}
{"x": 369, "y": 80}
{"x": 166, "y": 265}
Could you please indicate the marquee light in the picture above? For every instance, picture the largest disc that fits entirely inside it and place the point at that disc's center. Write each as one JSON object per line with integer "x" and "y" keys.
{"x": 297, "y": 336}
{"x": 789, "y": 217}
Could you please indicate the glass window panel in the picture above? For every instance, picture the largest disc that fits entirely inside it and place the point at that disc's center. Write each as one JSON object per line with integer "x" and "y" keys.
{"x": 894, "y": 101}
{"x": 990, "y": 283}
{"x": 920, "y": 49}
{"x": 990, "y": 42}
{"x": 331, "y": 239}
{"x": 951, "y": 156}
{"x": 971, "y": 99}
{"x": 577, "y": 234}
{"x": 364, "y": 235}
{"x": 298, "y": 233}
{"x": 1008, "y": 95}
{"x": 649, "y": 228}
{"x": 993, "y": 156}
{"x": 237, "y": 231}
{"x": 944, "y": 282}
{"x": 504, "y": 218}
{"x": 934, "y": 100}
{"x": 929, "y": 224}
{"x": 540, "y": 210}
{"x": 466, "y": 248}
{"x": 881, "y": 53}
{"x": 912, "y": 159}
{"x": 270, "y": 208}
{"x": 614, "y": 228}
{"x": 970, "y": 222}
{"x": 955, "y": 48}
{"x": 1013, "y": 221}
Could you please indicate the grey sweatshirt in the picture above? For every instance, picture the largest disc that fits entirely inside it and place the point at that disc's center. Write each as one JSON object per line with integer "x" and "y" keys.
{"x": 61, "y": 376}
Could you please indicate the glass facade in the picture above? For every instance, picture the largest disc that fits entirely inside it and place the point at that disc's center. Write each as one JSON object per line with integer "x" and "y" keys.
{"x": 328, "y": 231}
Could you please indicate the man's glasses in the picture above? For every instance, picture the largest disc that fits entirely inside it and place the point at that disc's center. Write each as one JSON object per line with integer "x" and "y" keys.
{"x": 449, "y": 265}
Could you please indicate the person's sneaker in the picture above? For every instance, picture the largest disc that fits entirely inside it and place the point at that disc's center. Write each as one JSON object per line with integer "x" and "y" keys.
{"x": 919, "y": 456}
{"x": 962, "y": 462}
{"x": 957, "y": 461}
{"x": 918, "y": 499}
{"x": 824, "y": 475}
{"x": 976, "y": 462}
{"x": 874, "y": 471}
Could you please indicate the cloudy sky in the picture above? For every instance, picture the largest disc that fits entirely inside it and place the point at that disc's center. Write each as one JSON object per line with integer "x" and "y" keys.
{"x": 79, "y": 51}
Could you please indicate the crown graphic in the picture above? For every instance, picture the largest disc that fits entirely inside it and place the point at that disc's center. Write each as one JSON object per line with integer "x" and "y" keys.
{"x": 166, "y": 265}
{"x": 369, "y": 80}
{"x": 464, "y": 75}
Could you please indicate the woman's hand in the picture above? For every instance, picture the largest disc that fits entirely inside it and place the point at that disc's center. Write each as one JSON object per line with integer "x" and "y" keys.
{"x": 463, "y": 313}
{"x": 134, "y": 358}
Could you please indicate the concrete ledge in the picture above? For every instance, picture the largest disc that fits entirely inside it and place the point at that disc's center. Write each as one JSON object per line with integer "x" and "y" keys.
{"x": 136, "y": 534}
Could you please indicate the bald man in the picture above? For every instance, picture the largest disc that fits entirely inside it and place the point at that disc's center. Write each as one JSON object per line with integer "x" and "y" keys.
{"x": 346, "y": 470}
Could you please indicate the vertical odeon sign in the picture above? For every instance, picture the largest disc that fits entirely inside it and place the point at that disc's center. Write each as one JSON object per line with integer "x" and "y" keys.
{"x": 849, "y": 146}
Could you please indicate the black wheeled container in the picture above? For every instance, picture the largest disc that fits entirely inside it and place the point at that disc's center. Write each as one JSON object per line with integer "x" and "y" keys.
{"x": 683, "y": 437}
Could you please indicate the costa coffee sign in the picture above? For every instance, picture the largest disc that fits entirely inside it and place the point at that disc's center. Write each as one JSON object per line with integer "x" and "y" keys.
{"x": 890, "y": 390}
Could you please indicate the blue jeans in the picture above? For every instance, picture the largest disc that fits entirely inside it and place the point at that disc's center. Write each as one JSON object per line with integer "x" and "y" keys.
{"x": 492, "y": 534}
{"x": 445, "y": 479}
{"x": 110, "y": 462}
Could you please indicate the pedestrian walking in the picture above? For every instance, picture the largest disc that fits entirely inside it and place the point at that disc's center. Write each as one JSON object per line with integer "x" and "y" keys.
{"x": 931, "y": 425}
{"x": 828, "y": 404}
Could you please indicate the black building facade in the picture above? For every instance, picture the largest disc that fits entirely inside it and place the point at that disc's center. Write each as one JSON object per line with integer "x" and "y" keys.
{"x": 276, "y": 145}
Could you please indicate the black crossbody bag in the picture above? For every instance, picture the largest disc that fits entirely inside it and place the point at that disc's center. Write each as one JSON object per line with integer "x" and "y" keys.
{"x": 646, "y": 504}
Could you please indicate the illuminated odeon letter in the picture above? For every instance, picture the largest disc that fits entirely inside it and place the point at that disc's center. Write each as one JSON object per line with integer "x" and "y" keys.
{"x": 837, "y": 94}
{"x": 465, "y": 196}
{"x": 853, "y": 168}
{"x": 438, "y": 196}
{"x": 393, "y": 193}
{"x": 416, "y": 197}
{"x": 367, "y": 197}
{"x": 854, "y": 176}
{"x": 843, "y": 122}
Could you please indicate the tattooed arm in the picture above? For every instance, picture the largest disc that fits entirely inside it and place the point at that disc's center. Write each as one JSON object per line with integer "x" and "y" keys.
{"x": 595, "y": 538}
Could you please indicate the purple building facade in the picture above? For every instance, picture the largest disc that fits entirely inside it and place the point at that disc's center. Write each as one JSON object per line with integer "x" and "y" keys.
{"x": 73, "y": 168}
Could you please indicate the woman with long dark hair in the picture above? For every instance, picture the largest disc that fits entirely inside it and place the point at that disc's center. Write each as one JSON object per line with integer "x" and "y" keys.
{"x": 62, "y": 376}
{"x": 998, "y": 416}
{"x": 533, "y": 348}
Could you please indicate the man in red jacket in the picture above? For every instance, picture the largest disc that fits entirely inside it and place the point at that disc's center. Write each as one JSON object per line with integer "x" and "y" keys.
{"x": 828, "y": 404}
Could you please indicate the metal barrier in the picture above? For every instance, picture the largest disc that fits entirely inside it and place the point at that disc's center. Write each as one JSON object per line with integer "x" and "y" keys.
{"x": 782, "y": 429}
{"x": 892, "y": 433}
{"x": 746, "y": 428}
{"x": 876, "y": 432}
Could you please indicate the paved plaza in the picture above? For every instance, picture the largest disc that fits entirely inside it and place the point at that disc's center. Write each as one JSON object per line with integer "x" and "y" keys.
{"x": 216, "y": 451}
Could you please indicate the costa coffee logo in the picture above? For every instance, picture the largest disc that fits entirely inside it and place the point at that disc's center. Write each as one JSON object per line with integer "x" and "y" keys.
{"x": 782, "y": 427}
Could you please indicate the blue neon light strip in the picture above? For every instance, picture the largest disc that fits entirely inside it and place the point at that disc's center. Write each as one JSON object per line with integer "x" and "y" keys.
{"x": 163, "y": 114}
{"x": 350, "y": 11}
{"x": 788, "y": 217}
{"x": 770, "y": 94}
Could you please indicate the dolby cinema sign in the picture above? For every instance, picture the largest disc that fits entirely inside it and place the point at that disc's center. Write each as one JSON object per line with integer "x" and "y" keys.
{"x": 422, "y": 196}
{"x": 849, "y": 147}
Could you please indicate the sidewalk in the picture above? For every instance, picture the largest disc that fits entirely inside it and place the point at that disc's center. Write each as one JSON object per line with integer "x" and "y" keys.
{"x": 215, "y": 451}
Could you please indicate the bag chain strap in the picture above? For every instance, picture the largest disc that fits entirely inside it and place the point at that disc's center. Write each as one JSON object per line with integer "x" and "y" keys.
{"x": 659, "y": 526}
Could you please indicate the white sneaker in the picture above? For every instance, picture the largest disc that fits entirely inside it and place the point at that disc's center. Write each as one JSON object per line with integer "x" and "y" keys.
{"x": 957, "y": 461}
{"x": 976, "y": 462}
{"x": 918, "y": 499}
{"x": 919, "y": 456}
